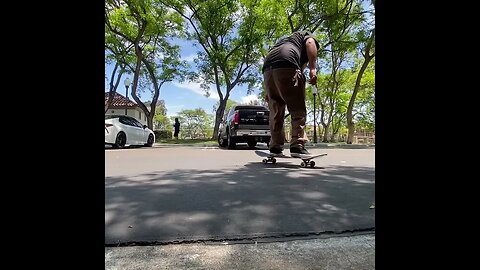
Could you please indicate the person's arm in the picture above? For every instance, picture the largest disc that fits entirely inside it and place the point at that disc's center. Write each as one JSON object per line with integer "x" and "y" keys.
{"x": 312, "y": 60}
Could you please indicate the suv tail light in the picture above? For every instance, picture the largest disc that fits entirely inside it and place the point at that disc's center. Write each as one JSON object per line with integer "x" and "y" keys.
{"x": 236, "y": 118}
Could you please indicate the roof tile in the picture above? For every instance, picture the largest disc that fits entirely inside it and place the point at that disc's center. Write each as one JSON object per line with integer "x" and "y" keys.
{"x": 119, "y": 101}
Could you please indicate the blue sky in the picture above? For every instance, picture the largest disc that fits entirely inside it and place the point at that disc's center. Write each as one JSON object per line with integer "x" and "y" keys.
{"x": 184, "y": 95}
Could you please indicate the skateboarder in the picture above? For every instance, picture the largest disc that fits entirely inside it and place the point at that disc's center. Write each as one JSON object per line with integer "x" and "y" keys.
{"x": 285, "y": 86}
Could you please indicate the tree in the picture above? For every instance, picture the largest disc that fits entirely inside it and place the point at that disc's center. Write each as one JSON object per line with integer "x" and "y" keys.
{"x": 116, "y": 52}
{"x": 195, "y": 123}
{"x": 230, "y": 35}
{"x": 335, "y": 17}
{"x": 336, "y": 90}
{"x": 145, "y": 25}
{"x": 332, "y": 101}
{"x": 368, "y": 52}
{"x": 364, "y": 109}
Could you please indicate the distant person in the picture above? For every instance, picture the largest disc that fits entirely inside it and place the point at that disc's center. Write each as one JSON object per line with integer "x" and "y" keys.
{"x": 176, "y": 126}
{"x": 285, "y": 87}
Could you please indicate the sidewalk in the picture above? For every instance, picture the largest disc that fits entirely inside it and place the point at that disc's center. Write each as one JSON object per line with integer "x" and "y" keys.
{"x": 339, "y": 252}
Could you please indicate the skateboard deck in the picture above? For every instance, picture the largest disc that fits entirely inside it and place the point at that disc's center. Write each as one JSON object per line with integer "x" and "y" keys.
{"x": 272, "y": 158}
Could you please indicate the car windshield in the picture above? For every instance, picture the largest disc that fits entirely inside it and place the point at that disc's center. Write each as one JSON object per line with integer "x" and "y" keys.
{"x": 111, "y": 116}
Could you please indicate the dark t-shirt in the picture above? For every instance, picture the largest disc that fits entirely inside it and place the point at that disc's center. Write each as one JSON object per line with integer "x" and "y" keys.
{"x": 289, "y": 52}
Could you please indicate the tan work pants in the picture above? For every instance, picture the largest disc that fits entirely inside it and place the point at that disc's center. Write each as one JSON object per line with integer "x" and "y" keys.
{"x": 286, "y": 87}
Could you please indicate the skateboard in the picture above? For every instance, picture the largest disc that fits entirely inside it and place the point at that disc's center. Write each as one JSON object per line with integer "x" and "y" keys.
{"x": 306, "y": 159}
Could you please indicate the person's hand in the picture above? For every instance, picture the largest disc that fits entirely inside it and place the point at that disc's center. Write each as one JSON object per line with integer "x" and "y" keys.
{"x": 313, "y": 76}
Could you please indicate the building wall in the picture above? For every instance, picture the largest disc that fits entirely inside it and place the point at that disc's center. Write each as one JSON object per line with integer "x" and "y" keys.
{"x": 135, "y": 113}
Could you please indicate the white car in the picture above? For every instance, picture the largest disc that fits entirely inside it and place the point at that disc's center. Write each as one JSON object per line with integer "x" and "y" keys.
{"x": 122, "y": 130}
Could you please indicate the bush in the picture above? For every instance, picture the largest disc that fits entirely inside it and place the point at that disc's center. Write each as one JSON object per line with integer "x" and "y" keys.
{"x": 162, "y": 134}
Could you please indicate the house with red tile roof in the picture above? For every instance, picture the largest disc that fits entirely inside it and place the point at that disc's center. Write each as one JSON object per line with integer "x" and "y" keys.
{"x": 123, "y": 106}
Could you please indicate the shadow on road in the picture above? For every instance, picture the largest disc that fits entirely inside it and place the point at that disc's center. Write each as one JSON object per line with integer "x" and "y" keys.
{"x": 254, "y": 200}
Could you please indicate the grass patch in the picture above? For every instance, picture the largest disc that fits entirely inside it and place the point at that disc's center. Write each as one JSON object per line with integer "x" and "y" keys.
{"x": 188, "y": 141}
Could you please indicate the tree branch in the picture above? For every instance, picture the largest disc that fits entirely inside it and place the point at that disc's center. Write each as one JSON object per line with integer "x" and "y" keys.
{"x": 194, "y": 27}
{"x": 115, "y": 31}
{"x": 290, "y": 22}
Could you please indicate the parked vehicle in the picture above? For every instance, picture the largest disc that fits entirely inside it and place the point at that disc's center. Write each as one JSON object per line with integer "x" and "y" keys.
{"x": 244, "y": 123}
{"x": 122, "y": 130}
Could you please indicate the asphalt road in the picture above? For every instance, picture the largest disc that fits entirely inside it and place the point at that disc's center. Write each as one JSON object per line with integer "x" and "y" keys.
{"x": 171, "y": 194}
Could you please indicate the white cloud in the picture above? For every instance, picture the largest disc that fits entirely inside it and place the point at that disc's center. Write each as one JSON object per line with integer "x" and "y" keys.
{"x": 189, "y": 58}
{"x": 195, "y": 87}
{"x": 248, "y": 99}
{"x": 174, "y": 109}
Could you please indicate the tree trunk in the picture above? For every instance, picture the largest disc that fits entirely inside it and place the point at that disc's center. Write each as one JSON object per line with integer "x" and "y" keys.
{"x": 156, "y": 94}
{"x": 150, "y": 121}
{"x": 325, "y": 133}
{"x": 332, "y": 137}
{"x": 113, "y": 86}
{"x": 218, "y": 117}
{"x": 221, "y": 104}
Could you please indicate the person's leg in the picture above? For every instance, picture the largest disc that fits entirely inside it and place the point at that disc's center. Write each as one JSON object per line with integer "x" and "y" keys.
{"x": 293, "y": 92}
{"x": 277, "y": 114}
{"x": 276, "y": 105}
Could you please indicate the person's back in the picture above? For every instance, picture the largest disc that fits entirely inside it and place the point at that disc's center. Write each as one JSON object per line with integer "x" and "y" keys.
{"x": 288, "y": 52}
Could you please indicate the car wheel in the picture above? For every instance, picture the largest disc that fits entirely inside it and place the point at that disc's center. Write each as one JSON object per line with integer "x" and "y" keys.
{"x": 120, "y": 141}
{"x": 150, "y": 140}
{"x": 252, "y": 144}
{"x": 221, "y": 141}
{"x": 231, "y": 143}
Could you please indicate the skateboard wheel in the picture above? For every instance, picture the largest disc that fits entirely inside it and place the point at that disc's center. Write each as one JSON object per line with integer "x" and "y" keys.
{"x": 274, "y": 161}
{"x": 264, "y": 161}
{"x": 312, "y": 164}
{"x": 302, "y": 164}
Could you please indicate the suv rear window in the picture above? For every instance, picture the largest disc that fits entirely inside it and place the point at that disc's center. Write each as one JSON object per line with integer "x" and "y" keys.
{"x": 250, "y": 107}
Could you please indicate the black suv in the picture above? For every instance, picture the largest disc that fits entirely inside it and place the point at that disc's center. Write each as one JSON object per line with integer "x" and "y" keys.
{"x": 244, "y": 123}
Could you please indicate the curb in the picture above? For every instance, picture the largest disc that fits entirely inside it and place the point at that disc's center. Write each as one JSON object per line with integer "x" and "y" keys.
{"x": 308, "y": 145}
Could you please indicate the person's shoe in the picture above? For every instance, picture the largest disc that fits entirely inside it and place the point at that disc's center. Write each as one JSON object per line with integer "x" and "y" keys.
{"x": 299, "y": 150}
{"x": 276, "y": 150}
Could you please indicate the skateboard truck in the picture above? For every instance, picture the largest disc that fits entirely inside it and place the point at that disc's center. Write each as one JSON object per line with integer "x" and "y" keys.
{"x": 269, "y": 159}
